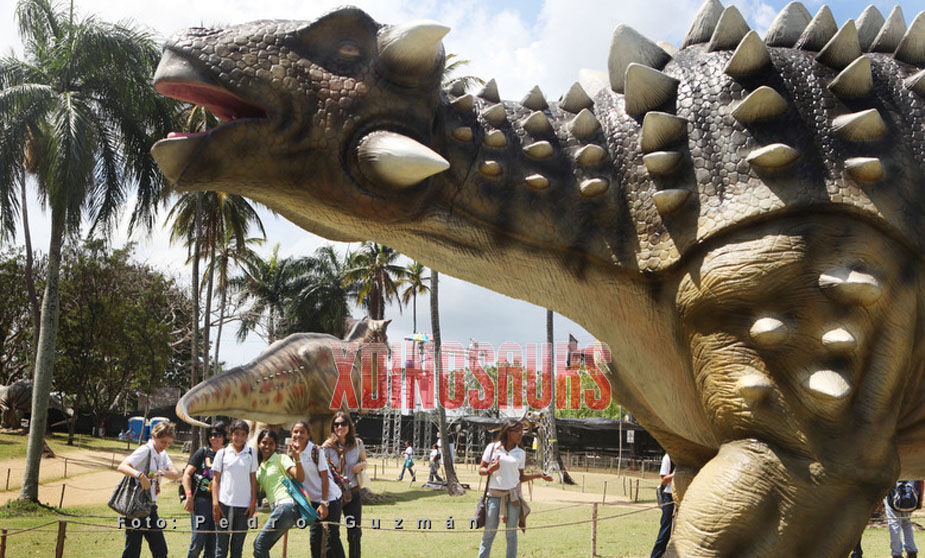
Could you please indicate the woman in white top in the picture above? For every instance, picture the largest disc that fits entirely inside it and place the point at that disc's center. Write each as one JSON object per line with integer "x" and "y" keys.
{"x": 148, "y": 464}
{"x": 234, "y": 491}
{"x": 503, "y": 462}
{"x": 322, "y": 492}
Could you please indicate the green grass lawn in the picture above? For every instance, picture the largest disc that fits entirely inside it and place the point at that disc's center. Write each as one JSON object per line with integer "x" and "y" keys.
{"x": 628, "y": 536}
{"x": 14, "y": 445}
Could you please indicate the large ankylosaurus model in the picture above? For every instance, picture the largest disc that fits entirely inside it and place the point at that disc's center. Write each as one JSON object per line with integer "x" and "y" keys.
{"x": 740, "y": 220}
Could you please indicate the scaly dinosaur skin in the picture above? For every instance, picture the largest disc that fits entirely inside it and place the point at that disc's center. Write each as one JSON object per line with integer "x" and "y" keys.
{"x": 739, "y": 221}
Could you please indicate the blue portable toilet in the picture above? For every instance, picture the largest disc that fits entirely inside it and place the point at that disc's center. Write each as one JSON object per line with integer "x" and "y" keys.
{"x": 136, "y": 427}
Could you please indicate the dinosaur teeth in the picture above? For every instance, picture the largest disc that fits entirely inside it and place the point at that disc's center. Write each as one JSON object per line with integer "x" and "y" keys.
{"x": 490, "y": 168}
{"x": 774, "y": 156}
{"x": 839, "y": 341}
{"x": 763, "y": 103}
{"x": 851, "y": 287}
{"x": 842, "y": 49}
{"x": 891, "y": 33}
{"x": 704, "y": 23}
{"x": 750, "y": 57}
{"x": 412, "y": 49}
{"x": 397, "y": 160}
{"x": 458, "y": 88}
{"x": 916, "y": 83}
{"x": 463, "y": 133}
{"x": 754, "y": 388}
{"x": 669, "y": 201}
{"x": 662, "y": 162}
{"x": 660, "y": 129}
{"x": 647, "y": 89}
{"x": 788, "y": 26}
{"x": 911, "y": 49}
{"x": 584, "y": 125}
{"x": 537, "y": 181}
{"x": 539, "y": 150}
{"x": 865, "y": 169}
{"x": 496, "y": 139}
{"x": 869, "y": 24}
{"x": 464, "y": 103}
{"x": 490, "y": 92}
{"x": 593, "y": 187}
{"x": 855, "y": 81}
{"x": 730, "y": 29}
{"x": 629, "y": 47}
{"x": 829, "y": 384}
{"x": 535, "y": 100}
{"x": 495, "y": 114}
{"x": 590, "y": 155}
{"x": 537, "y": 123}
{"x": 767, "y": 332}
{"x": 866, "y": 125}
{"x": 576, "y": 99}
{"x": 819, "y": 31}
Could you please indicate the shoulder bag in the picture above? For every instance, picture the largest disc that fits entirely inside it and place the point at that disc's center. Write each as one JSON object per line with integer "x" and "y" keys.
{"x": 129, "y": 499}
{"x": 481, "y": 508}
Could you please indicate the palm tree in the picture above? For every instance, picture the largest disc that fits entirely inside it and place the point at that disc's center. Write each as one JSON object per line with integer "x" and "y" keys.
{"x": 91, "y": 136}
{"x": 415, "y": 285}
{"x": 453, "y": 486}
{"x": 552, "y": 459}
{"x": 321, "y": 305}
{"x": 269, "y": 286}
{"x": 453, "y": 62}
{"x": 375, "y": 275}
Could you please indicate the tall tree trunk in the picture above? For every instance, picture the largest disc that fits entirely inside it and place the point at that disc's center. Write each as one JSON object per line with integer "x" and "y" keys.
{"x": 30, "y": 277}
{"x": 207, "y": 325}
{"x": 453, "y": 487}
{"x": 218, "y": 334}
{"x": 553, "y": 458}
{"x": 45, "y": 360}
{"x": 414, "y": 302}
{"x": 198, "y": 434}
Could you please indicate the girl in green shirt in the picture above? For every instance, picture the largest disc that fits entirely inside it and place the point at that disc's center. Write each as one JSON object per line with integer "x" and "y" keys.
{"x": 273, "y": 468}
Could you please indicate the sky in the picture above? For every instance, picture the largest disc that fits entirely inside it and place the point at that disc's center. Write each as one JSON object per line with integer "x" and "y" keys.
{"x": 519, "y": 43}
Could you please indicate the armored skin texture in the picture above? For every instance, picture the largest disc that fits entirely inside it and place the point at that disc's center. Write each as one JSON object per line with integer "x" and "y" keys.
{"x": 293, "y": 379}
{"x": 740, "y": 221}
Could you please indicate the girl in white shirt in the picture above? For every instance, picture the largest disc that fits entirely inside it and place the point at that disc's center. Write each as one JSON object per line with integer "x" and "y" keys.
{"x": 503, "y": 462}
{"x": 234, "y": 491}
{"x": 322, "y": 492}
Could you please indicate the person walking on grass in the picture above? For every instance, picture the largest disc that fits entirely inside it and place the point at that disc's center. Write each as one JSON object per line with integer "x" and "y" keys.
{"x": 197, "y": 476}
{"x": 149, "y": 463}
{"x": 666, "y": 502}
{"x": 273, "y": 468}
{"x": 408, "y": 464}
{"x": 503, "y": 463}
{"x": 234, "y": 491}
{"x": 434, "y": 464}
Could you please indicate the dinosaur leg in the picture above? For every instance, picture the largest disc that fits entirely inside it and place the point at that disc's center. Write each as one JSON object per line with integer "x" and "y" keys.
{"x": 800, "y": 335}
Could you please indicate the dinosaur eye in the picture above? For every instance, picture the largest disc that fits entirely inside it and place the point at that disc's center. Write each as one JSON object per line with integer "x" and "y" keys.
{"x": 349, "y": 49}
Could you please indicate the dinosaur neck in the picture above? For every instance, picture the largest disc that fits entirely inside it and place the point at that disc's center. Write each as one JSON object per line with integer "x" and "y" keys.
{"x": 535, "y": 172}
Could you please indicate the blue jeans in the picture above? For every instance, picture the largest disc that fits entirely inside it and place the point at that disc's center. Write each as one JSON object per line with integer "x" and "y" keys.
{"x": 283, "y": 517}
{"x": 202, "y": 521}
{"x": 237, "y": 521}
{"x": 492, "y": 518}
{"x": 410, "y": 469}
{"x": 149, "y": 531}
{"x": 664, "y": 529}
{"x": 899, "y": 523}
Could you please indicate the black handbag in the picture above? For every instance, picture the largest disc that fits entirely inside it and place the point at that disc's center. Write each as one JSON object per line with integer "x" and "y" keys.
{"x": 129, "y": 499}
{"x": 481, "y": 508}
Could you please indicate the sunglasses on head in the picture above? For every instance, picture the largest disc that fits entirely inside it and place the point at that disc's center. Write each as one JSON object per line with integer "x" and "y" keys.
{"x": 340, "y": 423}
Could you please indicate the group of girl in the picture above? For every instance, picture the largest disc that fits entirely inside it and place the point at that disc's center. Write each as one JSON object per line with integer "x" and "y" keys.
{"x": 221, "y": 483}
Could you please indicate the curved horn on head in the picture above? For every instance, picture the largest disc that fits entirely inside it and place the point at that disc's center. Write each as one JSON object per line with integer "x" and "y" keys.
{"x": 412, "y": 50}
{"x": 183, "y": 414}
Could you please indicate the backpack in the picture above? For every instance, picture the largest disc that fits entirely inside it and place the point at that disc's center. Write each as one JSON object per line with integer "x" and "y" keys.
{"x": 905, "y": 496}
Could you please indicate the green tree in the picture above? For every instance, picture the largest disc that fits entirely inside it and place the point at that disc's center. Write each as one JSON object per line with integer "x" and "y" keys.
{"x": 415, "y": 283}
{"x": 266, "y": 289}
{"x": 16, "y": 355}
{"x": 83, "y": 96}
{"x": 321, "y": 305}
{"x": 374, "y": 272}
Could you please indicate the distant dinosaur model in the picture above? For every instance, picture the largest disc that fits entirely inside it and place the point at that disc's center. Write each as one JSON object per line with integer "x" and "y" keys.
{"x": 16, "y": 401}
{"x": 292, "y": 379}
{"x": 741, "y": 221}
